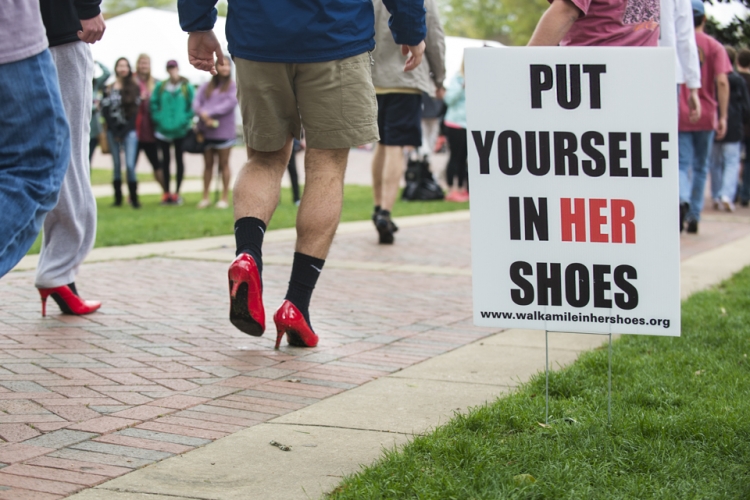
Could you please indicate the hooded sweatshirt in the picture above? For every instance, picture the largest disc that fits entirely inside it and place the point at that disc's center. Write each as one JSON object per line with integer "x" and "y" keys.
{"x": 62, "y": 18}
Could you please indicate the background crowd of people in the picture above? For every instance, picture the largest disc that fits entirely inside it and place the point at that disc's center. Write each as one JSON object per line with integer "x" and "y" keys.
{"x": 158, "y": 118}
{"x": 713, "y": 131}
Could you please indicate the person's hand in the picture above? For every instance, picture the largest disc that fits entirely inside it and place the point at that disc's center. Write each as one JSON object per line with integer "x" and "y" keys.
{"x": 721, "y": 130}
{"x": 202, "y": 46}
{"x": 415, "y": 58}
{"x": 92, "y": 29}
{"x": 694, "y": 103}
{"x": 440, "y": 93}
{"x": 205, "y": 117}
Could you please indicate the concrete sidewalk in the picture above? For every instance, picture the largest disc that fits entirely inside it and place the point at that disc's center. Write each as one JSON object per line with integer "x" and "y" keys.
{"x": 128, "y": 392}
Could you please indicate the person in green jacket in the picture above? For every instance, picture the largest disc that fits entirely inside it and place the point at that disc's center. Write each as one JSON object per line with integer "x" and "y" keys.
{"x": 172, "y": 114}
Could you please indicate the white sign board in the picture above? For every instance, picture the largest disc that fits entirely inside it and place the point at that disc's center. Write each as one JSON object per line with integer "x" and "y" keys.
{"x": 573, "y": 170}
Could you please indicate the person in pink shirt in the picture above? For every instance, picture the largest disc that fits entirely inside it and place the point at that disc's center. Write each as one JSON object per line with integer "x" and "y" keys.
{"x": 622, "y": 23}
{"x": 696, "y": 137}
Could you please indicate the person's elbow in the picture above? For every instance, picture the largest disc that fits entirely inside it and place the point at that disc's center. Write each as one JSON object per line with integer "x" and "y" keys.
{"x": 722, "y": 82}
{"x": 566, "y": 10}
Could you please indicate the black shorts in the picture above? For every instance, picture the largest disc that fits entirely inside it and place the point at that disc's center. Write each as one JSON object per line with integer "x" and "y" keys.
{"x": 400, "y": 119}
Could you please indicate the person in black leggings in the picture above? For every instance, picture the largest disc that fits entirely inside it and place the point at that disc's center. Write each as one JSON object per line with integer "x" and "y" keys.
{"x": 166, "y": 159}
{"x": 455, "y": 132}
{"x": 172, "y": 114}
{"x": 457, "y": 171}
{"x": 144, "y": 126}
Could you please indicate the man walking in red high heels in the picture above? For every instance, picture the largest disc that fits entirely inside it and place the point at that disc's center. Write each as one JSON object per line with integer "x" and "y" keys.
{"x": 298, "y": 64}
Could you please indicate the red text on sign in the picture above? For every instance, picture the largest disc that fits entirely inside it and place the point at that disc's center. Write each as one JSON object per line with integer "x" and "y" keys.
{"x": 574, "y": 214}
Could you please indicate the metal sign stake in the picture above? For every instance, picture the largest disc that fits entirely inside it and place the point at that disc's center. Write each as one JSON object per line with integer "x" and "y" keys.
{"x": 609, "y": 392}
{"x": 546, "y": 376}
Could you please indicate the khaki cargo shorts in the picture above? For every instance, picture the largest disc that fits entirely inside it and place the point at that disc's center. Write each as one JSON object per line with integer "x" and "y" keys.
{"x": 334, "y": 101}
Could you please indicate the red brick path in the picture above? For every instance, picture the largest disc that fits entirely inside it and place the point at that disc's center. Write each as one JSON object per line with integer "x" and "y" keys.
{"x": 160, "y": 371}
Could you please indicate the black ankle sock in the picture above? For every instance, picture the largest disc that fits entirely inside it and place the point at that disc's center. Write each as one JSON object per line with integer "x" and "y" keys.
{"x": 305, "y": 273}
{"x": 248, "y": 233}
{"x": 385, "y": 213}
{"x": 377, "y": 209}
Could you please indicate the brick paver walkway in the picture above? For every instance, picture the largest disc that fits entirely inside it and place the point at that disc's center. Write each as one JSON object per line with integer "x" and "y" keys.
{"x": 160, "y": 371}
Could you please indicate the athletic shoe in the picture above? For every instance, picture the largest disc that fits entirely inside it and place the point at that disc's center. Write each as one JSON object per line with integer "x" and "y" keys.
{"x": 692, "y": 227}
{"x": 221, "y": 204}
{"x": 452, "y": 196}
{"x": 463, "y": 197}
{"x": 385, "y": 228}
{"x": 727, "y": 204}
{"x": 684, "y": 207}
{"x": 203, "y": 203}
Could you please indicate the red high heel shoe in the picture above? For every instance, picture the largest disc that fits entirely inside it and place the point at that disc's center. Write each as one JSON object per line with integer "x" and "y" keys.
{"x": 246, "y": 310}
{"x": 289, "y": 320}
{"x": 67, "y": 298}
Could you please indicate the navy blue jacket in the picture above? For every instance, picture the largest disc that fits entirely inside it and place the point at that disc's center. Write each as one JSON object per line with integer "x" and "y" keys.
{"x": 304, "y": 31}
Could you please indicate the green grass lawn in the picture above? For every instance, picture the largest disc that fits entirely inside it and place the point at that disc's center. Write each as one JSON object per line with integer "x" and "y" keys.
{"x": 153, "y": 222}
{"x": 680, "y": 429}
{"x": 101, "y": 176}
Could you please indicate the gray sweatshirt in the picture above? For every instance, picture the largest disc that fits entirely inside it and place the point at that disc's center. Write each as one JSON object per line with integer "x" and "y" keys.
{"x": 388, "y": 69}
{"x": 22, "y": 33}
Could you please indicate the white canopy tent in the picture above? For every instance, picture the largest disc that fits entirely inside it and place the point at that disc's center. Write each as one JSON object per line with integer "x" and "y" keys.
{"x": 157, "y": 33}
{"x": 454, "y": 52}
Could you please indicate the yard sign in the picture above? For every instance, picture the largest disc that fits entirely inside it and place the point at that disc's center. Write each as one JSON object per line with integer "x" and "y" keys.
{"x": 573, "y": 172}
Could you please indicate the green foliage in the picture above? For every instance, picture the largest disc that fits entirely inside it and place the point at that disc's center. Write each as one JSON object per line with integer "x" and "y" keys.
{"x": 679, "y": 429}
{"x": 116, "y": 7}
{"x": 736, "y": 33}
{"x": 113, "y": 8}
{"x": 154, "y": 222}
{"x": 746, "y": 3}
{"x": 508, "y": 21}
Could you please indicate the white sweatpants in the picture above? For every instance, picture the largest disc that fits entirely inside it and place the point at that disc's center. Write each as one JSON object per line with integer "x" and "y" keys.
{"x": 70, "y": 228}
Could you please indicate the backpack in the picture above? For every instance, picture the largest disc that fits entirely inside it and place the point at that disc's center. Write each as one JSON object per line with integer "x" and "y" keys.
{"x": 183, "y": 88}
{"x": 420, "y": 183}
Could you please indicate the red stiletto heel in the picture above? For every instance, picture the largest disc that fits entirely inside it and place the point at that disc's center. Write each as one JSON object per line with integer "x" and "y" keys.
{"x": 67, "y": 298}
{"x": 246, "y": 310}
{"x": 279, "y": 335}
{"x": 289, "y": 320}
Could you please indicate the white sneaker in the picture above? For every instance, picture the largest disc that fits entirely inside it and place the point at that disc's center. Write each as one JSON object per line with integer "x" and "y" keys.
{"x": 203, "y": 203}
{"x": 727, "y": 204}
{"x": 222, "y": 204}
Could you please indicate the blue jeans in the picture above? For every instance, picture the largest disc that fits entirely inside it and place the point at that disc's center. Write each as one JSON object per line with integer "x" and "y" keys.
{"x": 34, "y": 152}
{"x": 745, "y": 191}
{"x": 725, "y": 170}
{"x": 695, "y": 148}
{"x": 129, "y": 143}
